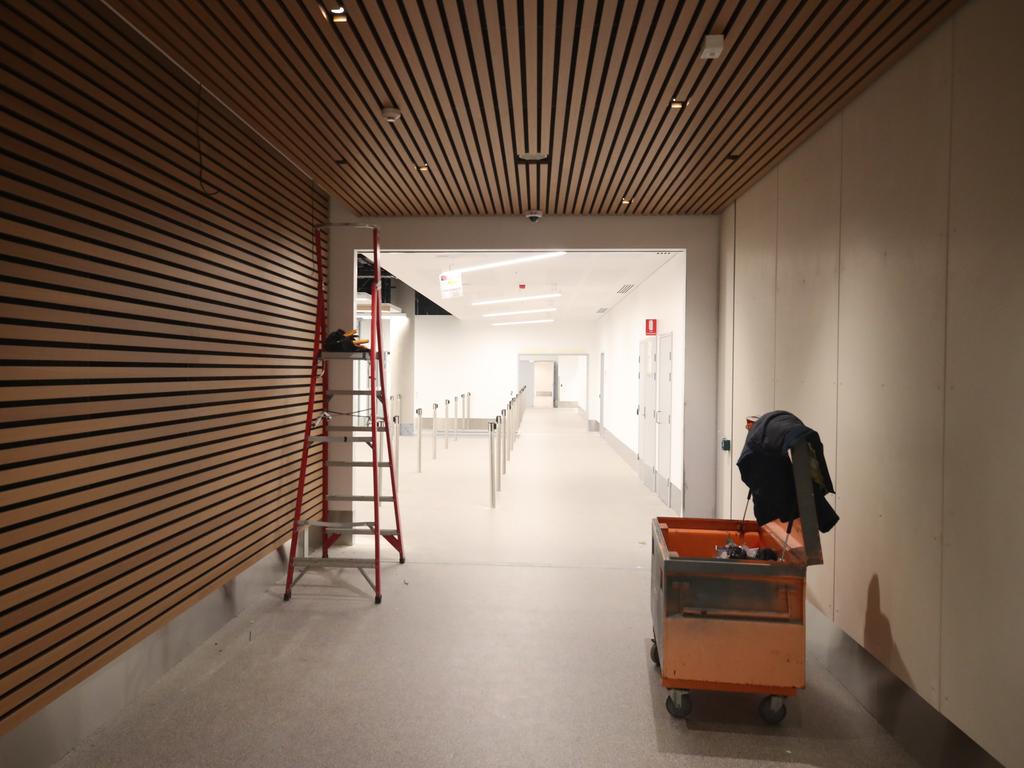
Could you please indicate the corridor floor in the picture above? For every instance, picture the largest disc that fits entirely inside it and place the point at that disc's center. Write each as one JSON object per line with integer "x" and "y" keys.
{"x": 511, "y": 637}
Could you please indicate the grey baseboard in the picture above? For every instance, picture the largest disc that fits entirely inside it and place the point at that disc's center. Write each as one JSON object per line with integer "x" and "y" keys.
{"x": 677, "y": 499}
{"x": 593, "y": 425}
{"x": 621, "y": 448}
{"x": 646, "y": 475}
{"x": 923, "y": 731}
{"x": 54, "y": 731}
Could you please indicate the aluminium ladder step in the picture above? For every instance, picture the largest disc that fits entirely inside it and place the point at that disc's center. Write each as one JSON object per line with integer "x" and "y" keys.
{"x": 328, "y": 355}
{"x": 362, "y": 392}
{"x": 359, "y": 498}
{"x": 358, "y": 464}
{"x": 358, "y": 528}
{"x": 334, "y": 562}
{"x": 318, "y": 439}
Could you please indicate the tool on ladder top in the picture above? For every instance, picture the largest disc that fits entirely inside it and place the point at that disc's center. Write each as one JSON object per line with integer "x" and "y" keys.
{"x": 369, "y": 435}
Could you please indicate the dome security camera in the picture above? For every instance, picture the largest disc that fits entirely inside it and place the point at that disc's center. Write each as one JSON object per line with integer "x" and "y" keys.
{"x": 534, "y": 216}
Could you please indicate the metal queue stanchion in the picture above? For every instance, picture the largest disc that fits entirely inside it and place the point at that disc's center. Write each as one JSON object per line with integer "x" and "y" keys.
{"x": 446, "y": 401}
{"x": 468, "y": 406}
{"x": 497, "y": 460}
{"x": 465, "y": 425}
{"x": 419, "y": 440}
{"x": 504, "y": 439}
{"x": 491, "y": 428}
{"x": 434, "y": 430}
{"x": 456, "y": 418}
{"x": 396, "y": 420}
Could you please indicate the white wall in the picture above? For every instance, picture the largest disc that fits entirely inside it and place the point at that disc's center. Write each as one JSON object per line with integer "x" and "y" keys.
{"x": 572, "y": 379}
{"x": 661, "y": 296}
{"x": 453, "y": 356}
{"x": 697, "y": 235}
{"x": 874, "y": 287}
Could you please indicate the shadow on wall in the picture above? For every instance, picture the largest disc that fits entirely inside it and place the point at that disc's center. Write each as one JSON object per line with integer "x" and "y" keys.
{"x": 878, "y": 641}
{"x": 926, "y": 735}
{"x": 878, "y": 634}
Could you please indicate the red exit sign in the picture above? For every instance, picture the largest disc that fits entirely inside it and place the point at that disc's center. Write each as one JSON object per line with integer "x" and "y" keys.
{"x": 651, "y": 327}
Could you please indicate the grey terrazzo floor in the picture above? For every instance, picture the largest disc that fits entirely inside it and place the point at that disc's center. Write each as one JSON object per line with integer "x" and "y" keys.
{"x": 513, "y": 637}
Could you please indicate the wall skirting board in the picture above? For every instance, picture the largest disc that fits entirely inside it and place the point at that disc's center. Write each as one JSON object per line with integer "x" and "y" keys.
{"x": 676, "y": 495}
{"x": 49, "y": 734}
{"x": 930, "y": 738}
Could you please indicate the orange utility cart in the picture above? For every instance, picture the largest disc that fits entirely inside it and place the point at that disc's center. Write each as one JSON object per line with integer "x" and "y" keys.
{"x": 733, "y": 625}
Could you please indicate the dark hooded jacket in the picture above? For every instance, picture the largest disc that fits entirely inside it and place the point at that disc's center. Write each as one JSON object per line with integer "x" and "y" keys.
{"x": 765, "y": 467}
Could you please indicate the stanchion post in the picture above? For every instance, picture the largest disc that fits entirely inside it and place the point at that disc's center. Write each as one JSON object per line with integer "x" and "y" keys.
{"x": 469, "y": 407}
{"x": 433, "y": 429}
{"x": 508, "y": 439}
{"x": 446, "y": 430}
{"x": 490, "y": 439}
{"x": 497, "y": 459}
{"x": 395, "y": 442}
{"x": 504, "y": 458}
{"x": 419, "y": 440}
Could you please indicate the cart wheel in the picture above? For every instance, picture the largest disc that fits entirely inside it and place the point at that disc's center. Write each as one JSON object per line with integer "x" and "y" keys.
{"x": 679, "y": 704}
{"x": 773, "y": 709}
{"x": 654, "y": 654}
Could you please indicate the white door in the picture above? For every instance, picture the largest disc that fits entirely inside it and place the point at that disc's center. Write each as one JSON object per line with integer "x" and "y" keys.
{"x": 648, "y": 406}
{"x": 544, "y": 384}
{"x": 663, "y": 419}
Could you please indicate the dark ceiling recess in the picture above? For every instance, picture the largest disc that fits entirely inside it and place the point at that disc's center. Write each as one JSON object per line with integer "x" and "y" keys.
{"x": 364, "y": 279}
{"x": 589, "y": 83}
{"x": 425, "y": 306}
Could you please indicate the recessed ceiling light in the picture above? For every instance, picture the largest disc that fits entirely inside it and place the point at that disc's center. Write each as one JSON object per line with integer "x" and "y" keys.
{"x": 521, "y": 312}
{"x": 509, "y": 262}
{"x": 517, "y": 298}
{"x": 626, "y": 201}
{"x": 423, "y": 167}
{"x": 534, "y": 158}
{"x": 526, "y": 322}
{"x": 391, "y": 114}
{"x": 676, "y": 104}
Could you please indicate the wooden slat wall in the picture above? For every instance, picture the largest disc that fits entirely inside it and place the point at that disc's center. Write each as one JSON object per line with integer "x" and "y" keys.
{"x": 156, "y": 320}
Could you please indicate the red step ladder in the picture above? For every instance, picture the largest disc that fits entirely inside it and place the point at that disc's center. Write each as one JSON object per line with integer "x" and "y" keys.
{"x": 331, "y": 531}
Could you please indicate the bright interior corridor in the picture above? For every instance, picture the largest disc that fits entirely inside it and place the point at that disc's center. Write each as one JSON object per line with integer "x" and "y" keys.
{"x": 511, "y": 637}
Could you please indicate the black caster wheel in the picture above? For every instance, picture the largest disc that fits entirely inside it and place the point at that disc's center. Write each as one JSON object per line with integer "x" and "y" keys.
{"x": 377, "y": 599}
{"x": 287, "y": 596}
{"x": 772, "y": 709}
{"x": 654, "y": 654}
{"x": 401, "y": 560}
{"x": 679, "y": 704}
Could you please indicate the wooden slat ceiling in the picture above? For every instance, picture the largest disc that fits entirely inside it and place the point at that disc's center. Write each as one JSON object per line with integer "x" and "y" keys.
{"x": 587, "y": 81}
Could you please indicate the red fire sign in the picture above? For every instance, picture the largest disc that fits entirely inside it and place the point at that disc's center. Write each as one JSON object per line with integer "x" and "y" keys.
{"x": 651, "y": 328}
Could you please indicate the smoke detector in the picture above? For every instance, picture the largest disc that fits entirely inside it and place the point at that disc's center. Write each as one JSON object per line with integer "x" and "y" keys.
{"x": 391, "y": 114}
{"x": 712, "y": 46}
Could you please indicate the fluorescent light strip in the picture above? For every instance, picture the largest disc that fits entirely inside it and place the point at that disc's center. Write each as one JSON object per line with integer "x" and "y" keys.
{"x": 520, "y": 312}
{"x": 510, "y": 262}
{"x": 517, "y": 298}
{"x": 527, "y": 322}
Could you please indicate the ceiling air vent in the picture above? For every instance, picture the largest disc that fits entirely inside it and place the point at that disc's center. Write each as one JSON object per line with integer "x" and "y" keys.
{"x": 626, "y": 288}
{"x": 602, "y": 310}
